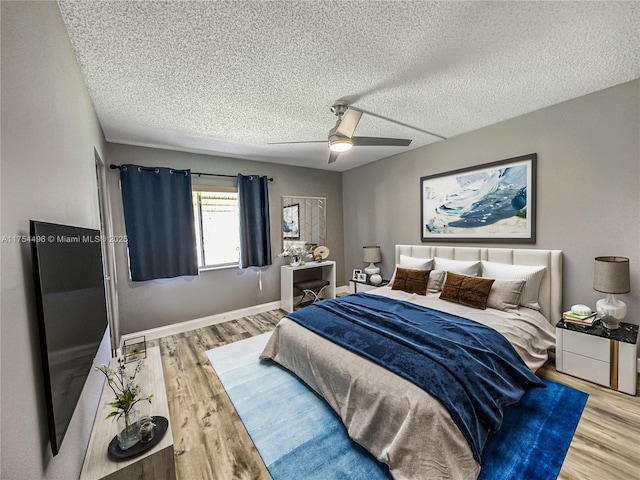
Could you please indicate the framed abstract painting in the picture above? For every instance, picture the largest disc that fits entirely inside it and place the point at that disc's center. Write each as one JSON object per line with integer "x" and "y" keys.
{"x": 291, "y": 221}
{"x": 493, "y": 202}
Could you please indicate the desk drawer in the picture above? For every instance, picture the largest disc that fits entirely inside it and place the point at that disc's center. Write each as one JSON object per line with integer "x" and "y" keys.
{"x": 587, "y": 345}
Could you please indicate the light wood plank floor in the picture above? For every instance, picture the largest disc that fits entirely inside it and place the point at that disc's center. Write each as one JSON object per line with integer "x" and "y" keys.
{"x": 211, "y": 442}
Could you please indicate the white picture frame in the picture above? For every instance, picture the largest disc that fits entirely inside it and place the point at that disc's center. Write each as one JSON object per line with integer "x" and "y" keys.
{"x": 362, "y": 277}
{"x": 356, "y": 271}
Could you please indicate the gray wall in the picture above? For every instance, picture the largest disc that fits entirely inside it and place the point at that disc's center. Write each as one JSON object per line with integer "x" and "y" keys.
{"x": 156, "y": 303}
{"x": 588, "y": 187}
{"x": 588, "y": 199}
{"x": 49, "y": 132}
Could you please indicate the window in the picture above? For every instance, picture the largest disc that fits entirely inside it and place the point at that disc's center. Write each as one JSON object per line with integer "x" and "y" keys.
{"x": 217, "y": 225}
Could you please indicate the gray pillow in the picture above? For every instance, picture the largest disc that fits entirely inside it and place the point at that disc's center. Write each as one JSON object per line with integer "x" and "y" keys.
{"x": 505, "y": 294}
{"x": 435, "y": 281}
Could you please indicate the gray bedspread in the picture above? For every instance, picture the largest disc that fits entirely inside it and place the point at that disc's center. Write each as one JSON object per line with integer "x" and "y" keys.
{"x": 396, "y": 421}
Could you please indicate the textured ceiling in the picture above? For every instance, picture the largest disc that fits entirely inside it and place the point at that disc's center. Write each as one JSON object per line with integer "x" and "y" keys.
{"x": 228, "y": 77}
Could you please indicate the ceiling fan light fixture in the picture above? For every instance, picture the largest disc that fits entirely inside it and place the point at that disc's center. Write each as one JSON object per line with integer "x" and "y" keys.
{"x": 339, "y": 144}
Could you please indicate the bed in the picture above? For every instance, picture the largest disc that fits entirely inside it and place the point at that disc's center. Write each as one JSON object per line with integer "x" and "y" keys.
{"x": 397, "y": 421}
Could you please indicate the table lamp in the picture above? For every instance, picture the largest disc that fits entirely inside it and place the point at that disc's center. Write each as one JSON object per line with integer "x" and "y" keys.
{"x": 611, "y": 276}
{"x": 371, "y": 255}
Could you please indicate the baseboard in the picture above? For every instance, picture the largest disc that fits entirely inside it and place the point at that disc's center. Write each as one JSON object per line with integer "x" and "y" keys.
{"x": 176, "y": 328}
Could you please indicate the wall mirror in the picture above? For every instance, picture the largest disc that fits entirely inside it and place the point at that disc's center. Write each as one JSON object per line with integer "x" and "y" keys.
{"x": 304, "y": 222}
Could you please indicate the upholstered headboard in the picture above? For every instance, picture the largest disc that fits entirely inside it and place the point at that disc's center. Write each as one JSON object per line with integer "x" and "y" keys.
{"x": 550, "y": 296}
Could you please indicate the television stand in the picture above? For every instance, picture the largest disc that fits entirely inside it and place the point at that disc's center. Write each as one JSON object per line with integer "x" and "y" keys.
{"x": 157, "y": 462}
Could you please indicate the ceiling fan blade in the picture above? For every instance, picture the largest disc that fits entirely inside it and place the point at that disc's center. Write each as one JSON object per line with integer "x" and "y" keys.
{"x": 288, "y": 143}
{"x": 391, "y": 142}
{"x": 349, "y": 123}
{"x": 333, "y": 156}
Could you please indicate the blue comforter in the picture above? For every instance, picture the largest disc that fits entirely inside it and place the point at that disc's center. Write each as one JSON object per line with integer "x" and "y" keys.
{"x": 469, "y": 367}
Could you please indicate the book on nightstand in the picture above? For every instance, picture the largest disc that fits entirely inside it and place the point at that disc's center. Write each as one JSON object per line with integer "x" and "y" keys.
{"x": 577, "y": 319}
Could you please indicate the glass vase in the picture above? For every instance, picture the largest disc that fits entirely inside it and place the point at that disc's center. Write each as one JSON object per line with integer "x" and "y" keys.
{"x": 128, "y": 429}
{"x": 295, "y": 260}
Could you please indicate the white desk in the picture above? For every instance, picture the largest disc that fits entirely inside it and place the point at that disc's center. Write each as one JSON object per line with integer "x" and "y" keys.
{"x": 287, "y": 274}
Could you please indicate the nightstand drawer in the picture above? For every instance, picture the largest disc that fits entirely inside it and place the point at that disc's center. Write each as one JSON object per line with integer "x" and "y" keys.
{"x": 587, "y": 346}
{"x": 587, "y": 368}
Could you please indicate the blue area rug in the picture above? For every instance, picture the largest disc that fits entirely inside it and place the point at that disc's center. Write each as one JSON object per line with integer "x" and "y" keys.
{"x": 299, "y": 436}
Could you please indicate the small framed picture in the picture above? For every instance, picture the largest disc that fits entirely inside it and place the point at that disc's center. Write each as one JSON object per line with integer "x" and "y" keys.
{"x": 362, "y": 277}
{"x": 135, "y": 349}
{"x": 356, "y": 272}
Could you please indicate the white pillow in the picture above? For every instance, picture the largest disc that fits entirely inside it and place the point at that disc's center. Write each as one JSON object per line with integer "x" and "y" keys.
{"x": 414, "y": 263}
{"x": 532, "y": 275}
{"x": 463, "y": 267}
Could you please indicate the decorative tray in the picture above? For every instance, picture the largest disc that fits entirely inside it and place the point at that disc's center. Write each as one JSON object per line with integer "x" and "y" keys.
{"x": 116, "y": 453}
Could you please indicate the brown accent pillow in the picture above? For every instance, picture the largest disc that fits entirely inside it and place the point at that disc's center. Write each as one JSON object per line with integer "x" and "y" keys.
{"x": 470, "y": 291}
{"x": 411, "y": 281}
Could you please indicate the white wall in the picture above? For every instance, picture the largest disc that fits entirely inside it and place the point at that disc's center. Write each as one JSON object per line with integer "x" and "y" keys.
{"x": 49, "y": 132}
{"x": 157, "y": 303}
{"x": 588, "y": 187}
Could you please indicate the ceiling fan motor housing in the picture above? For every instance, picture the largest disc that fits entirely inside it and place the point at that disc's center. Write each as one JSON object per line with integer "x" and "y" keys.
{"x": 339, "y": 108}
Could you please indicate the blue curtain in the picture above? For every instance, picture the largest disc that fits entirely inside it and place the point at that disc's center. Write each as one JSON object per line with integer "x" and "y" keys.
{"x": 255, "y": 233}
{"x": 158, "y": 216}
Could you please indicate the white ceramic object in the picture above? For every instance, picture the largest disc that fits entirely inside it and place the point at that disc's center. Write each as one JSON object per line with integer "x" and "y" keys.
{"x": 581, "y": 309}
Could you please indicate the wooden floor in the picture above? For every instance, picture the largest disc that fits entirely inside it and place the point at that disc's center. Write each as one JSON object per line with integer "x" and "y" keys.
{"x": 211, "y": 442}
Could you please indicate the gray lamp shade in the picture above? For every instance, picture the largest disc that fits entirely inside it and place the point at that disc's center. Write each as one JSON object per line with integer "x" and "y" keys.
{"x": 371, "y": 254}
{"x": 611, "y": 275}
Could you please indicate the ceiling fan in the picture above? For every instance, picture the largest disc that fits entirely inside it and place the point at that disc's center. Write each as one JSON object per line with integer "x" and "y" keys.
{"x": 341, "y": 137}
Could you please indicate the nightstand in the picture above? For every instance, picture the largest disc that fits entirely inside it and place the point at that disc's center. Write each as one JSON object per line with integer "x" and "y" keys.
{"x": 355, "y": 286}
{"x": 605, "y": 357}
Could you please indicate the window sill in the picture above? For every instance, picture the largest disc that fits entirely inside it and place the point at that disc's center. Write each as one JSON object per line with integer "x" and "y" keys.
{"x": 219, "y": 267}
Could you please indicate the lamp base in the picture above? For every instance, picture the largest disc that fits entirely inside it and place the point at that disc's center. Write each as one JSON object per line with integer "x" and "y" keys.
{"x": 611, "y": 311}
{"x": 371, "y": 269}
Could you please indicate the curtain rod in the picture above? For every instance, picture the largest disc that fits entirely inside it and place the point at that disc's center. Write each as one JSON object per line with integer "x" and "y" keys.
{"x": 120, "y": 167}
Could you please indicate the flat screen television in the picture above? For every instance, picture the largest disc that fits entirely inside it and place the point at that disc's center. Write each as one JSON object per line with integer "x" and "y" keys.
{"x": 72, "y": 314}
